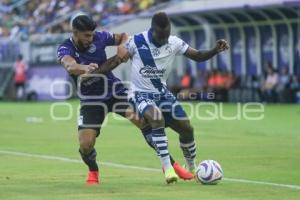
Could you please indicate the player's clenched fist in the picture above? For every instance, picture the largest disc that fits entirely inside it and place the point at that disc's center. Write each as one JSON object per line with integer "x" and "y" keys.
{"x": 88, "y": 69}
{"x": 221, "y": 45}
{"x": 92, "y": 67}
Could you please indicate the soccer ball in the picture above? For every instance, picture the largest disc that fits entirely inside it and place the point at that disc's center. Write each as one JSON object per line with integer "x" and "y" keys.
{"x": 209, "y": 172}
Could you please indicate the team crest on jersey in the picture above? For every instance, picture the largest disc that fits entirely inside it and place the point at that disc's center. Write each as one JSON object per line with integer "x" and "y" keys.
{"x": 76, "y": 54}
{"x": 92, "y": 48}
{"x": 168, "y": 49}
{"x": 155, "y": 52}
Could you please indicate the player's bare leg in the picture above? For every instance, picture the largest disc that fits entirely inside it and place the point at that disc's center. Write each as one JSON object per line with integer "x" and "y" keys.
{"x": 87, "y": 140}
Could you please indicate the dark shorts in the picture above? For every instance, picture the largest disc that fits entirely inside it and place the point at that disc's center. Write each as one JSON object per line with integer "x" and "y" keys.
{"x": 92, "y": 114}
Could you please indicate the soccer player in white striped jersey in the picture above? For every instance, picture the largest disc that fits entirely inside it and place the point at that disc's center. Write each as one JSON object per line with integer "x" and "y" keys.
{"x": 152, "y": 53}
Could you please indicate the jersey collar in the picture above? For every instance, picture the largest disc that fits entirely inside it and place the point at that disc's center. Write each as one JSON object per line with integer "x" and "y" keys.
{"x": 150, "y": 38}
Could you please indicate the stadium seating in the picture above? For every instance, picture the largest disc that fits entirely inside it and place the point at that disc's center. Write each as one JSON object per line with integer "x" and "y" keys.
{"x": 39, "y": 16}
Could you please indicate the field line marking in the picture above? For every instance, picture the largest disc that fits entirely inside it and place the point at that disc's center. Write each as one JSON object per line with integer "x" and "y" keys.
{"x": 110, "y": 164}
{"x": 297, "y": 187}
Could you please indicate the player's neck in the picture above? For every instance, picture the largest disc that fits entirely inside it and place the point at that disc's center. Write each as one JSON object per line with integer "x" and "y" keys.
{"x": 75, "y": 43}
{"x": 151, "y": 39}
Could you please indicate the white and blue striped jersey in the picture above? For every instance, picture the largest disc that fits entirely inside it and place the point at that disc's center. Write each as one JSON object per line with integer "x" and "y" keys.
{"x": 151, "y": 65}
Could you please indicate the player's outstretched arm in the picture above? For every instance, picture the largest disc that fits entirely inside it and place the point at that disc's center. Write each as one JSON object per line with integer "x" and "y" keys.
{"x": 113, "y": 62}
{"x": 74, "y": 68}
{"x": 109, "y": 65}
{"x": 200, "y": 56}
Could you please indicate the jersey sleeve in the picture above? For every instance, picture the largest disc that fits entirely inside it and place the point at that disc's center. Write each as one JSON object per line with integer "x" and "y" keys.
{"x": 63, "y": 51}
{"x": 109, "y": 38}
{"x": 130, "y": 46}
{"x": 181, "y": 46}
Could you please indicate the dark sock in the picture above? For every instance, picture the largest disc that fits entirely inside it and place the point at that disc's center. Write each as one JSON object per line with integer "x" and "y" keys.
{"x": 148, "y": 137}
{"x": 90, "y": 160}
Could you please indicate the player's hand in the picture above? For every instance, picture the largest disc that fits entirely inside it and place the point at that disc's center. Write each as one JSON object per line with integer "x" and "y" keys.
{"x": 88, "y": 69}
{"x": 123, "y": 53}
{"x": 222, "y": 45}
{"x": 91, "y": 67}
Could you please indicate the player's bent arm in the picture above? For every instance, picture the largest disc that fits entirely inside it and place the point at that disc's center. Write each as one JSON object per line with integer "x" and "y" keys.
{"x": 120, "y": 38}
{"x": 109, "y": 65}
{"x": 200, "y": 56}
{"x": 74, "y": 68}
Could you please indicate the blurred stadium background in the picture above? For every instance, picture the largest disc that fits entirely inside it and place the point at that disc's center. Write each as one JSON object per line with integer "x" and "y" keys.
{"x": 263, "y": 64}
{"x": 260, "y": 159}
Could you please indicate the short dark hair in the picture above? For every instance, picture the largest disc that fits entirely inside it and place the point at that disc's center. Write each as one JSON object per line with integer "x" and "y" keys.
{"x": 84, "y": 23}
{"x": 161, "y": 20}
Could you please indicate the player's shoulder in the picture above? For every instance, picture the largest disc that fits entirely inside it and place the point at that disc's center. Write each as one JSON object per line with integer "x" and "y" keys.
{"x": 137, "y": 37}
{"x": 173, "y": 39}
{"x": 65, "y": 48}
{"x": 140, "y": 34}
{"x": 102, "y": 35}
{"x": 177, "y": 42}
{"x": 66, "y": 44}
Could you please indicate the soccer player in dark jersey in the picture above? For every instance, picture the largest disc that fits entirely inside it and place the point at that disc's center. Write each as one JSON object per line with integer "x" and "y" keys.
{"x": 82, "y": 54}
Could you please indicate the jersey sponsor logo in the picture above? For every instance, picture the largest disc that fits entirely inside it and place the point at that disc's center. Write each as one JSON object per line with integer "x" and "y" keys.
{"x": 151, "y": 72}
{"x": 92, "y": 48}
{"x": 155, "y": 52}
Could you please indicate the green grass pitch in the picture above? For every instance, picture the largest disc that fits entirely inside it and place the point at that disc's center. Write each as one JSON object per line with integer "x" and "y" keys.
{"x": 266, "y": 151}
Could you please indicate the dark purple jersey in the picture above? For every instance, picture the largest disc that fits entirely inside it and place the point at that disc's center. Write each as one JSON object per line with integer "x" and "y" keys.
{"x": 96, "y": 88}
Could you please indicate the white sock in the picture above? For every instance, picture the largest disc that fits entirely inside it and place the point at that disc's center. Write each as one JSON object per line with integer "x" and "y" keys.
{"x": 161, "y": 144}
{"x": 166, "y": 163}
